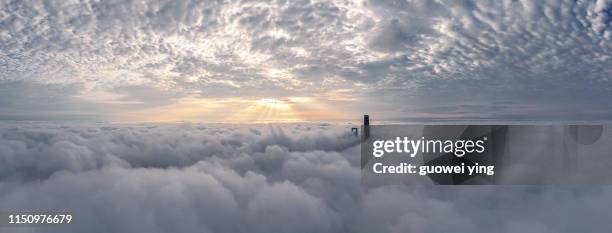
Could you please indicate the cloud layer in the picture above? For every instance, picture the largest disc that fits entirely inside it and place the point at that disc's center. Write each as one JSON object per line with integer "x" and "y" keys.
{"x": 222, "y": 178}
{"x": 436, "y": 59}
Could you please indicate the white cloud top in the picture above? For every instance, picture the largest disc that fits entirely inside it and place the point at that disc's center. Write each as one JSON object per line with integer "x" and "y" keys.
{"x": 221, "y": 178}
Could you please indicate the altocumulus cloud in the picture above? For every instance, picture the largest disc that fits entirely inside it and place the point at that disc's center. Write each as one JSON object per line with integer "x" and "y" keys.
{"x": 224, "y": 178}
{"x": 447, "y": 59}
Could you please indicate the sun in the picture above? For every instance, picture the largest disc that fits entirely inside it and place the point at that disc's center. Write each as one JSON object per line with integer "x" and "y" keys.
{"x": 236, "y": 110}
{"x": 273, "y": 104}
{"x": 272, "y": 110}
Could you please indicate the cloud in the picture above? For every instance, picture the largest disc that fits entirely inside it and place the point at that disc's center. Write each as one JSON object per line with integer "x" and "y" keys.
{"x": 464, "y": 52}
{"x": 224, "y": 178}
{"x": 24, "y": 100}
{"x": 38, "y": 151}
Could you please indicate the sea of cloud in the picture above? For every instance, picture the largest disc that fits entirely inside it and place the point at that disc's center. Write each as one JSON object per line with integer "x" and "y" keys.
{"x": 253, "y": 178}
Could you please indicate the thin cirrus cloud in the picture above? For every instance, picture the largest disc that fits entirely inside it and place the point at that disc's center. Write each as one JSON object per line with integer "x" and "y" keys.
{"x": 398, "y": 59}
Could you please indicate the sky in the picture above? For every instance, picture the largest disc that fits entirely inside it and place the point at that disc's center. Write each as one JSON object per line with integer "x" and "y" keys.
{"x": 111, "y": 63}
{"x": 287, "y": 61}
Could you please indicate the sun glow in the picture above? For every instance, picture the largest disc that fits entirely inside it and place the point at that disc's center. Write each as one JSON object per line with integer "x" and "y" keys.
{"x": 273, "y": 104}
{"x": 237, "y": 110}
{"x": 269, "y": 111}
